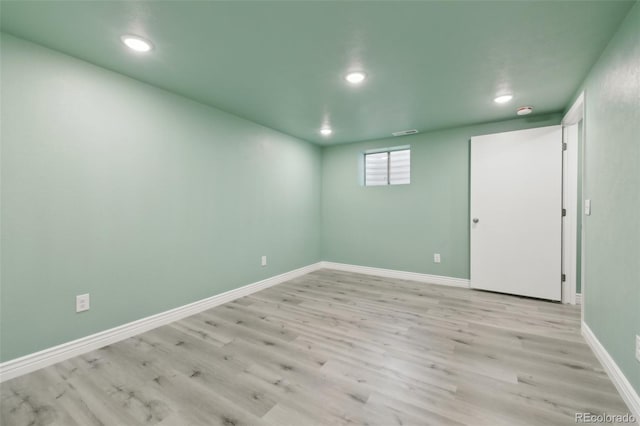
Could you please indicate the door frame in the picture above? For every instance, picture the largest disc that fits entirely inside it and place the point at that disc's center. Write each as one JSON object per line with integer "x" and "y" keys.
{"x": 570, "y": 162}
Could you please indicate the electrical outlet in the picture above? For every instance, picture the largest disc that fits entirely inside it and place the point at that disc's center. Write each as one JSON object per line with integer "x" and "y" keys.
{"x": 436, "y": 257}
{"x": 638, "y": 348}
{"x": 264, "y": 261}
{"x": 82, "y": 302}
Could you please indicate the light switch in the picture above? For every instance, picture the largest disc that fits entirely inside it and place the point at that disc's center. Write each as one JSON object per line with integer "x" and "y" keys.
{"x": 587, "y": 207}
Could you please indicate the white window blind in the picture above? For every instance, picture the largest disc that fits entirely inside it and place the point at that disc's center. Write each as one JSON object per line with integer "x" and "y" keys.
{"x": 377, "y": 169}
{"x": 400, "y": 167}
{"x": 391, "y": 167}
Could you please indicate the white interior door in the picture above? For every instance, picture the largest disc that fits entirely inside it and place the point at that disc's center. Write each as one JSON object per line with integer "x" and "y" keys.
{"x": 516, "y": 212}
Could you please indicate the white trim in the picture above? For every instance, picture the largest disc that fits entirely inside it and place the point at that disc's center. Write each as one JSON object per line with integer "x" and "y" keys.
{"x": 627, "y": 392}
{"x": 44, "y": 358}
{"x": 578, "y": 298}
{"x": 570, "y": 161}
{"x": 575, "y": 113}
{"x": 403, "y": 275}
{"x": 573, "y": 117}
{"x": 570, "y": 221}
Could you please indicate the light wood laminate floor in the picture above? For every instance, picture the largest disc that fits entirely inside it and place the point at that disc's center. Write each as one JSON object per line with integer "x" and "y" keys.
{"x": 333, "y": 348}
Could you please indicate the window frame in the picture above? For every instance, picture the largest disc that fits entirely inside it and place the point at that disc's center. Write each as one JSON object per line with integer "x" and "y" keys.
{"x": 387, "y": 151}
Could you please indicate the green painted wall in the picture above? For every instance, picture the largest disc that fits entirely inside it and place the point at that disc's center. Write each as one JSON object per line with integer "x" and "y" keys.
{"x": 611, "y": 278}
{"x": 144, "y": 199}
{"x": 400, "y": 227}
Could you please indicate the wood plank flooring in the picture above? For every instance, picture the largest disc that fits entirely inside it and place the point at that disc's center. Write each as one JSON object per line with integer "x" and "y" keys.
{"x": 333, "y": 348}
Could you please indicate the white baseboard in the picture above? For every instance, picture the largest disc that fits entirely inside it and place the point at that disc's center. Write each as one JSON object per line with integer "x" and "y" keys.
{"x": 578, "y": 298}
{"x": 403, "y": 275}
{"x": 37, "y": 360}
{"x": 627, "y": 392}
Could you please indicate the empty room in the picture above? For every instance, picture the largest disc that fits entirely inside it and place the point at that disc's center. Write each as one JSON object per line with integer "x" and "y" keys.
{"x": 300, "y": 213}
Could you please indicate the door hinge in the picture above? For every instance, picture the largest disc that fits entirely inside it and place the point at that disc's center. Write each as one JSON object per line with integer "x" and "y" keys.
{"x": 564, "y": 146}
{"x": 564, "y": 212}
{"x": 564, "y": 277}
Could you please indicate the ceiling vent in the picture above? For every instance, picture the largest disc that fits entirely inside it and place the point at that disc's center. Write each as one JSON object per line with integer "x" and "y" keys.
{"x": 405, "y": 132}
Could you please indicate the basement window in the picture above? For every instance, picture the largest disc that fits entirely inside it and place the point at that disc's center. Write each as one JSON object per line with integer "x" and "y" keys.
{"x": 391, "y": 166}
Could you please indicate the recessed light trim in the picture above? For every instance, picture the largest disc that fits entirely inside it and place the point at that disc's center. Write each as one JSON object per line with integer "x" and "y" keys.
{"x": 136, "y": 43}
{"x": 325, "y": 131}
{"x": 524, "y": 110}
{"x": 356, "y": 77}
{"x": 503, "y": 99}
{"x": 405, "y": 132}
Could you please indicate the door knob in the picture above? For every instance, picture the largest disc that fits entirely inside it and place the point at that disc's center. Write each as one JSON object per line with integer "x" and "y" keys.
{"x": 476, "y": 220}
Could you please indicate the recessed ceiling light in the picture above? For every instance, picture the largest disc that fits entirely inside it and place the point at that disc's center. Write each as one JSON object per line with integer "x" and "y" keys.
{"x": 503, "y": 99}
{"x": 524, "y": 110}
{"x": 326, "y": 131}
{"x": 356, "y": 77}
{"x": 405, "y": 132}
{"x": 136, "y": 43}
